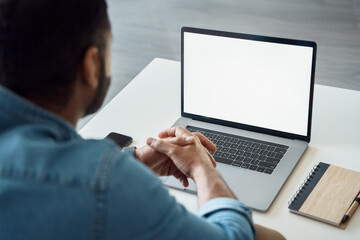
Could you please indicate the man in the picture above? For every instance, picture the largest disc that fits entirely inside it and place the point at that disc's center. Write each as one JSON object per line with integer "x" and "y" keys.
{"x": 55, "y": 69}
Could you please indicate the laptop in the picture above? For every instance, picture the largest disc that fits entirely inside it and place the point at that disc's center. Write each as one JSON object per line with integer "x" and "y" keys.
{"x": 253, "y": 97}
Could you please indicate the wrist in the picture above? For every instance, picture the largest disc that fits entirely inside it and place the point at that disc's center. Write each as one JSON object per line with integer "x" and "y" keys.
{"x": 210, "y": 185}
{"x": 201, "y": 172}
{"x": 137, "y": 154}
{"x": 142, "y": 155}
{"x": 130, "y": 150}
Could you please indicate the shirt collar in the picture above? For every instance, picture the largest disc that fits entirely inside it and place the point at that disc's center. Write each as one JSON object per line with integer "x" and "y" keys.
{"x": 22, "y": 109}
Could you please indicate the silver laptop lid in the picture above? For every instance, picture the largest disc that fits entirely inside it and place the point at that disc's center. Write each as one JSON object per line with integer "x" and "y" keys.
{"x": 251, "y": 82}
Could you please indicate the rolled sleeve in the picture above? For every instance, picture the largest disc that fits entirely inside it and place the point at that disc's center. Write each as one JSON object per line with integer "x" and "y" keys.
{"x": 230, "y": 214}
{"x": 217, "y": 204}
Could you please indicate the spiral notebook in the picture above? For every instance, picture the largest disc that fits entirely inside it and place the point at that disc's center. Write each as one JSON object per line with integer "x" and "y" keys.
{"x": 327, "y": 194}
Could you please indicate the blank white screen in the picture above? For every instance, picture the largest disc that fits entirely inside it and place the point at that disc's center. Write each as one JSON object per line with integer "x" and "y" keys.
{"x": 250, "y": 82}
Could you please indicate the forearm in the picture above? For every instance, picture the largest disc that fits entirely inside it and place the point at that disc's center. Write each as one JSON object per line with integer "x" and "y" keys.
{"x": 210, "y": 185}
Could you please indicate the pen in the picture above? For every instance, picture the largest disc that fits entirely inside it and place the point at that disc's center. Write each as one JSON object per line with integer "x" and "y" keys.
{"x": 352, "y": 209}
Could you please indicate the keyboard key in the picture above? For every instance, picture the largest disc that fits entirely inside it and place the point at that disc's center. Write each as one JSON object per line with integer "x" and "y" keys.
{"x": 270, "y": 148}
{"x": 272, "y": 160}
{"x": 256, "y": 145}
{"x": 262, "y": 158}
{"x": 223, "y": 160}
{"x": 247, "y": 160}
{"x": 267, "y": 165}
{"x": 232, "y": 157}
{"x": 253, "y": 167}
{"x": 233, "y": 140}
{"x": 241, "y": 142}
{"x": 234, "y": 146}
{"x": 268, "y": 171}
{"x": 217, "y": 153}
{"x": 263, "y": 147}
{"x": 240, "y": 158}
{"x": 225, "y": 149}
{"x": 260, "y": 169}
{"x": 255, "y": 162}
{"x": 280, "y": 150}
{"x": 245, "y": 165}
{"x": 225, "y": 155}
{"x": 248, "y": 149}
{"x": 236, "y": 164}
{"x": 263, "y": 152}
{"x": 279, "y": 156}
{"x": 227, "y": 144}
{"x": 254, "y": 156}
{"x": 248, "y": 144}
{"x": 241, "y": 148}
{"x": 247, "y": 154}
{"x": 256, "y": 150}
{"x": 239, "y": 153}
{"x": 226, "y": 139}
{"x": 232, "y": 151}
{"x": 220, "y": 143}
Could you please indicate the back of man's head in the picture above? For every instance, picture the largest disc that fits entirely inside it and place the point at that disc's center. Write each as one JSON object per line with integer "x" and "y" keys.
{"x": 42, "y": 43}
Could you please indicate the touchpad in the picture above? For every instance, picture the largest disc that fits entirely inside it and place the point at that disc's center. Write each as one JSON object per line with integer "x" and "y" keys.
{"x": 175, "y": 183}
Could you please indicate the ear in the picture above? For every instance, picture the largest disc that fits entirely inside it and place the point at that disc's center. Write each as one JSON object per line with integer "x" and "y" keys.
{"x": 91, "y": 68}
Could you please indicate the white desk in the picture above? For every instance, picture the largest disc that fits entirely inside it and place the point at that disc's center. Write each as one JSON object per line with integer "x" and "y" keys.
{"x": 151, "y": 103}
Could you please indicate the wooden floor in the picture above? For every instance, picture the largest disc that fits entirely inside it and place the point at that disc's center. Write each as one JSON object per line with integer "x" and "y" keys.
{"x": 145, "y": 29}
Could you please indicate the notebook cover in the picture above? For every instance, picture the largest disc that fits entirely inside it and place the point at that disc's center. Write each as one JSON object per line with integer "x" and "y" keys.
{"x": 327, "y": 194}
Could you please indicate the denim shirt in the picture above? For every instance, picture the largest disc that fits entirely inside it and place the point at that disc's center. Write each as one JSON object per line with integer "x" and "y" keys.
{"x": 56, "y": 185}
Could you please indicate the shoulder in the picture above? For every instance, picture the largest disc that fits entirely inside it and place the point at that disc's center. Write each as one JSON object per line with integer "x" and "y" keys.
{"x": 42, "y": 157}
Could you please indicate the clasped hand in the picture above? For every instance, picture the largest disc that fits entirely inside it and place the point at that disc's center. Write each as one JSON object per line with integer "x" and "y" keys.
{"x": 177, "y": 153}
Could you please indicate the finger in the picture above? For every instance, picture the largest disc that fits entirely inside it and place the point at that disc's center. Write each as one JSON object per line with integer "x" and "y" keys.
{"x": 174, "y": 132}
{"x": 212, "y": 160}
{"x": 185, "y": 182}
{"x": 161, "y": 146}
{"x": 206, "y": 142}
{"x": 178, "y": 141}
{"x": 181, "y": 141}
{"x": 180, "y": 131}
{"x": 182, "y": 178}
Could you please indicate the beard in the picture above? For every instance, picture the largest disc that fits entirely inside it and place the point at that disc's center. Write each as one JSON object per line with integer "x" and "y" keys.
{"x": 104, "y": 83}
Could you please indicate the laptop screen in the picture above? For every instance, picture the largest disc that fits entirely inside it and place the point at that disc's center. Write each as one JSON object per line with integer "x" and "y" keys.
{"x": 264, "y": 84}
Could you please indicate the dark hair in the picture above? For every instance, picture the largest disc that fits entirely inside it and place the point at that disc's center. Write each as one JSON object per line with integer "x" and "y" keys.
{"x": 42, "y": 43}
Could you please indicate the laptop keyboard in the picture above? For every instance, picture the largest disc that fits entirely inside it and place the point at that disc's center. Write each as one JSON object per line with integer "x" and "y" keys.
{"x": 247, "y": 153}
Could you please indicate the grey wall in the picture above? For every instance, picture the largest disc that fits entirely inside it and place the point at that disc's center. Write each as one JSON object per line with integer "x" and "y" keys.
{"x": 145, "y": 29}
